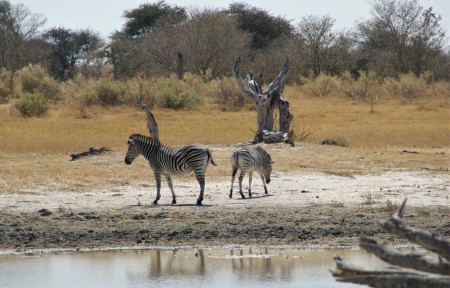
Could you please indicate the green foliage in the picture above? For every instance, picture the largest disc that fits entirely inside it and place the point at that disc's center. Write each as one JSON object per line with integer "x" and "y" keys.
{"x": 175, "y": 94}
{"x": 263, "y": 27}
{"x": 68, "y": 48}
{"x": 146, "y": 16}
{"x": 34, "y": 78}
{"x": 31, "y": 104}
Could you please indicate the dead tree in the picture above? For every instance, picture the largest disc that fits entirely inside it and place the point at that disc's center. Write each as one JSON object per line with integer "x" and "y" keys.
{"x": 265, "y": 103}
{"x": 151, "y": 123}
{"x": 411, "y": 269}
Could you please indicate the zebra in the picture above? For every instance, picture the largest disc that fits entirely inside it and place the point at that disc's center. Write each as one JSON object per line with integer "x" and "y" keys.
{"x": 249, "y": 160}
{"x": 169, "y": 161}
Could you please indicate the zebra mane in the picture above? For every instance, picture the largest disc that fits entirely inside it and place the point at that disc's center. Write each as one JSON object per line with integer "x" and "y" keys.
{"x": 263, "y": 153}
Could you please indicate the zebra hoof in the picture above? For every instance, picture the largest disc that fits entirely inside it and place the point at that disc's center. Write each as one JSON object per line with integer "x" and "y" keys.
{"x": 155, "y": 202}
{"x": 199, "y": 202}
{"x": 174, "y": 202}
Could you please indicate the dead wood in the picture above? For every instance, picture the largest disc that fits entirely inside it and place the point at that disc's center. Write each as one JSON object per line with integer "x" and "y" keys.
{"x": 428, "y": 240}
{"x": 416, "y": 261}
{"x": 91, "y": 151}
{"x": 421, "y": 271}
{"x": 387, "y": 278}
{"x": 266, "y": 101}
{"x": 152, "y": 126}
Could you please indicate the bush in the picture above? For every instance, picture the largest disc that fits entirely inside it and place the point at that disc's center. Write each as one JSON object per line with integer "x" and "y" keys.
{"x": 31, "y": 104}
{"x": 321, "y": 86}
{"x": 407, "y": 88}
{"x": 228, "y": 96}
{"x": 175, "y": 94}
{"x": 5, "y": 83}
{"x": 109, "y": 92}
{"x": 34, "y": 78}
{"x": 139, "y": 91}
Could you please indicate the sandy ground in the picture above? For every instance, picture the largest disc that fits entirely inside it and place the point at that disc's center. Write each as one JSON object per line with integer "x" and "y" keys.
{"x": 303, "y": 208}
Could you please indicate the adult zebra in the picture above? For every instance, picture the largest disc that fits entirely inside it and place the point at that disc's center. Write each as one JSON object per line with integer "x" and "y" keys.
{"x": 169, "y": 161}
{"x": 249, "y": 160}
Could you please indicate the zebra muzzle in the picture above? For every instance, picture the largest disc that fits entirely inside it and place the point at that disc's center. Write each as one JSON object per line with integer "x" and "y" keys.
{"x": 128, "y": 162}
{"x": 267, "y": 181}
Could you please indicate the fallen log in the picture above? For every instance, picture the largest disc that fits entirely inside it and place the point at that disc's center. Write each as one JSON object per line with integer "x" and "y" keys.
{"x": 91, "y": 151}
{"x": 411, "y": 269}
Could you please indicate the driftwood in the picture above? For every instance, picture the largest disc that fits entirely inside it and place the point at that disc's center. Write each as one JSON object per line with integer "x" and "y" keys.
{"x": 266, "y": 102}
{"x": 91, "y": 151}
{"x": 152, "y": 126}
{"x": 270, "y": 137}
{"x": 411, "y": 269}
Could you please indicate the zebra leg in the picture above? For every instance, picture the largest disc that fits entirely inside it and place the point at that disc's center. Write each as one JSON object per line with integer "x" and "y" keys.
{"x": 264, "y": 183}
{"x": 169, "y": 181}
{"x": 241, "y": 177}
{"x": 233, "y": 174}
{"x": 250, "y": 184}
{"x": 158, "y": 188}
{"x": 201, "y": 181}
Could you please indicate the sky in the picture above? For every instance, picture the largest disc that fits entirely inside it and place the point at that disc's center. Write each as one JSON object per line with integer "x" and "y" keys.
{"x": 106, "y": 16}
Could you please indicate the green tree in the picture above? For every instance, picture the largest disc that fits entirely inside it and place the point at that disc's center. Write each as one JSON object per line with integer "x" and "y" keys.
{"x": 264, "y": 28}
{"x": 69, "y": 49}
{"x": 143, "y": 19}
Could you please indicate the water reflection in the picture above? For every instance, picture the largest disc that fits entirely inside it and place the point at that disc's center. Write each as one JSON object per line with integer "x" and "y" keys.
{"x": 174, "y": 268}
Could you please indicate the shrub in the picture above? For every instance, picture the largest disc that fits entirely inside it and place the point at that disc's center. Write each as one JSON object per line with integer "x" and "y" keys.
{"x": 407, "y": 88}
{"x": 109, "y": 92}
{"x": 34, "y": 78}
{"x": 321, "y": 86}
{"x": 175, "y": 94}
{"x": 139, "y": 90}
{"x": 228, "y": 96}
{"x": 5, "y": 85}
{"x": 31, "y": 104}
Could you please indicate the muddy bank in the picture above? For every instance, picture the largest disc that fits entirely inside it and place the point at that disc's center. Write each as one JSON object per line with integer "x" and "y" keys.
{"x": 208, "y": 226}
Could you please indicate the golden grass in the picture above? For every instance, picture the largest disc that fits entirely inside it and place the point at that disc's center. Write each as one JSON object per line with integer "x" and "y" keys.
{"x": 422, "y": 124}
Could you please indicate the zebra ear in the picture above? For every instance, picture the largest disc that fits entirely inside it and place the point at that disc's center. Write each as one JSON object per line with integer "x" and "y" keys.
{"x": 130, "y": 141}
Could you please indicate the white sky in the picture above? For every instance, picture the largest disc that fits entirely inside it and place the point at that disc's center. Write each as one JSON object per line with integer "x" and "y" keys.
{"x": 106, "y": 16}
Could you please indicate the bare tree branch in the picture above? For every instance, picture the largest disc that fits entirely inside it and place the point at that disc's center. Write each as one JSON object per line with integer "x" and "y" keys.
{"x": 241, "y": 84}
{"x": 277, "y": 83}
{"x": 151, "y": 123}
{"x": 422, "y": 237}
{"x": 387, "y": 278}
{"x": 409, "y": 260}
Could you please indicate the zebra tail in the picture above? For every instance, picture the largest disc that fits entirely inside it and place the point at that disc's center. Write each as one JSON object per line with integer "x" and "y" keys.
{"x": 210, "y": 157}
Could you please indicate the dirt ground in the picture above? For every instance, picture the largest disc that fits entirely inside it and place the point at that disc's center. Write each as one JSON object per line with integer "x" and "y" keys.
{"x": 306, "y": 206}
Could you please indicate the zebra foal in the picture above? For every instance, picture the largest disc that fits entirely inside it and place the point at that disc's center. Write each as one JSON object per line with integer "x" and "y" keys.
{"x": 249, "y": 160}
{"x": 169, "y": 161}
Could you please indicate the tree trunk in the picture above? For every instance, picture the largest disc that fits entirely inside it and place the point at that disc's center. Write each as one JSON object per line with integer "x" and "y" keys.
{"x": 180, "y": 63}
{"x": 265, "y": 104}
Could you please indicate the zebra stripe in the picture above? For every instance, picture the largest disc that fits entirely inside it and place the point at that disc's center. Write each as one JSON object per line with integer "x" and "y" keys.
{"x": 169, "y": 161}
{"x": 249, "y": 160}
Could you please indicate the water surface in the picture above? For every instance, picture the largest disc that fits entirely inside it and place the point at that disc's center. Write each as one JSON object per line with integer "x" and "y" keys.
{"x": 177, "y": 268}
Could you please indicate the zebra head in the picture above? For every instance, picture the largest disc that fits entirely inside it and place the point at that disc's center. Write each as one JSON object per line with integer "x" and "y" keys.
{"x": 133, "y": 151}
{"x": 267, "y": 163}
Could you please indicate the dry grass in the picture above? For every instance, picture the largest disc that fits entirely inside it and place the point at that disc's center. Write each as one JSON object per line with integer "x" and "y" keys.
{"x": 423, "y": 124}
{"x": 33, "y": 151}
